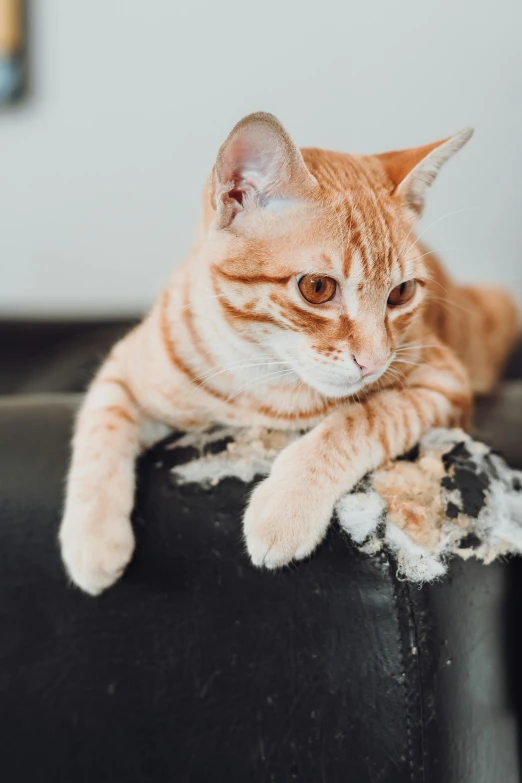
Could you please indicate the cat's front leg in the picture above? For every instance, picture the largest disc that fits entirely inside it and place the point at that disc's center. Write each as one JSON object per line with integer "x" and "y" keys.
{"x": 96, "y": 536}
{"x": 290, "y": 511}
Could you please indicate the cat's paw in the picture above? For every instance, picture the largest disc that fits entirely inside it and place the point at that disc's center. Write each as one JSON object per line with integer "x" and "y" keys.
{"x": 284, "y": 522}
{"x": 96, "y": 551}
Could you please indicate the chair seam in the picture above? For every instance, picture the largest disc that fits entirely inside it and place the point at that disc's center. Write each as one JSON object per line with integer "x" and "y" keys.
{"x": 416, "y": 621}
{"x": 401, "y": 595}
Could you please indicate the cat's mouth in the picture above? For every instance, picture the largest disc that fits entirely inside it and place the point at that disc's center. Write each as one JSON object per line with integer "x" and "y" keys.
{"x": 338, "y": 387}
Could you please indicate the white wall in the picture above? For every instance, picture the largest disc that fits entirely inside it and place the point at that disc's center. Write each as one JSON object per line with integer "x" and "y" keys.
{"x": 101, "y": 170}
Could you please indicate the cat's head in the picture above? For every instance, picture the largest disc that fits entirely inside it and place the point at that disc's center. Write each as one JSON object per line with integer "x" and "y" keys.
{"x": 312, "y": 253}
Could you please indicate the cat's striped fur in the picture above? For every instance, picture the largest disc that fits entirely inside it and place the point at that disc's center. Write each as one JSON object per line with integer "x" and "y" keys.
{"x": 233, "y": 340}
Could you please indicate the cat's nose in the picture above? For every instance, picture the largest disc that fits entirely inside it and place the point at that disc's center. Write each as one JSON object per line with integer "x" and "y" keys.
{"x": 367, "y": 366}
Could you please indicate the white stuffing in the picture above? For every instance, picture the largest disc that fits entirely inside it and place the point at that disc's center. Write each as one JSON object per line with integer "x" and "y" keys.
{"x": 212, "y": 470}
{"x": 250, "y": 454}
{"x": 419, "y": 509}
{"x": 359, "y": 513}
{"x": 414, "y": 563}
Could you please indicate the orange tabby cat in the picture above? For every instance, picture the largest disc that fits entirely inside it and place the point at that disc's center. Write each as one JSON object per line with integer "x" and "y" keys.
{"x": 307, "y": 303}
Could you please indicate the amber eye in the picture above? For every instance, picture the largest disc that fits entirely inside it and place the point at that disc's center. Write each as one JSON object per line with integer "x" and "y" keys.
{"x": 402, "y": 293}
{"x": 317, "y": 289}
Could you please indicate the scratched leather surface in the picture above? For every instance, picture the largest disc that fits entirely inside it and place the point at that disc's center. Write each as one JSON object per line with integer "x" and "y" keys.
{"x": 197, "y": 667}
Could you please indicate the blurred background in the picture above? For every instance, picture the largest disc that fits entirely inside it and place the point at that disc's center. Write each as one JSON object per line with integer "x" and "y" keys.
{"x": 123, "y": 104}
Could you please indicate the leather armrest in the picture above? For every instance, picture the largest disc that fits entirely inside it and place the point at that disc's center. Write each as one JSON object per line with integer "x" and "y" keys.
{"x": 198, "y": 667}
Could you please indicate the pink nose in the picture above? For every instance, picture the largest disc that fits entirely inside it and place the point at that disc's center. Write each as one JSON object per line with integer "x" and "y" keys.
{"x": 366, "y": 366}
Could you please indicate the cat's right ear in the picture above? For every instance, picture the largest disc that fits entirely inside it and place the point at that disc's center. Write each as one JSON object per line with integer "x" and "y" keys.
{"x": 258, "y": 166}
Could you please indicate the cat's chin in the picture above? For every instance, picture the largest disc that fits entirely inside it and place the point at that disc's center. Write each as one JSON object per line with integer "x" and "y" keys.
{"x": 337, "y": 390}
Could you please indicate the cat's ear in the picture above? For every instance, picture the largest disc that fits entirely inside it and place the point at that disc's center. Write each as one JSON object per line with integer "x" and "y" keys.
{"x": 258, "y": 165}
{"x": 412, "y": 171}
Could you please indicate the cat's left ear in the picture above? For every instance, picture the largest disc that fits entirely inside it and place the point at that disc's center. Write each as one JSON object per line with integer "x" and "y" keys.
{"x": 412, "y": 171}
{"x": 258, "y": 166}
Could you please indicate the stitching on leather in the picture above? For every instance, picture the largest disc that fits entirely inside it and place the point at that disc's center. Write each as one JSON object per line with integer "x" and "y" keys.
{"x": 416, "y": 621}
{"x": 404, "y": 678}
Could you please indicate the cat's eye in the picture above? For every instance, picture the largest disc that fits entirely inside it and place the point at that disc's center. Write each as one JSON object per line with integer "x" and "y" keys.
{"x": 403, "y": 293}
{"x": 317, "y": 289}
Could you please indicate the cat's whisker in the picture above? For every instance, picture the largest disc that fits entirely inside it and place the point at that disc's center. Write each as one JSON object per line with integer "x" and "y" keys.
{"x": 438, "y": 220}
{"x": 223, "y": 368}
{"x": 428, "y": 253}
{"x": 380, "y": 384}
{"x": 396, "y": 376}
{"x": 414, "y": 364}
{"x": 399, "y": 252}
{"x": 449, "y": 303}
{"x": 416, "y": 347}
{"x": 224, "y": 365}
{"x": 269, "y": 377}
{"x": 449, "y": 214}
{"x": 234, "y": 368}
{"x": 431, "y": 279}
{"x": 297, "y": 386}
{"x": 246, "y": 360}
{"x": 413, "y": 247}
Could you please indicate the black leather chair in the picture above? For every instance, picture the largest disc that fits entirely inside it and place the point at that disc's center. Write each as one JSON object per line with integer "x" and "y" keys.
{"x": 196, "y": 667}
